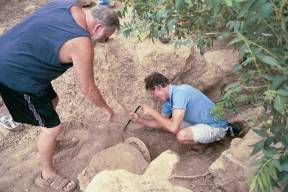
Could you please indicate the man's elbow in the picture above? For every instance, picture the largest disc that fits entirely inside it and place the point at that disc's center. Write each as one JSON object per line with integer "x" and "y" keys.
{"x": 174, "y": 129}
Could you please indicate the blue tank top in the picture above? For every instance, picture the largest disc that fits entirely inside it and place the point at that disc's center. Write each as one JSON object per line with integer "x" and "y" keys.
{"x": 29, "y": 51}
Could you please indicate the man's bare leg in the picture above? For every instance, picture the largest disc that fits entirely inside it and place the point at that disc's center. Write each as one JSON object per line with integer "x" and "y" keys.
{"x": 46, "y": 145}
{"x": 55, "y": 102}
{"x": 185, "y": 136}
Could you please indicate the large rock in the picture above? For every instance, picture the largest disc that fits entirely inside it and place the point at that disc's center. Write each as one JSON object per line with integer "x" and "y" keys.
{"x": 210, "y": 72}
{"x": 155, "y": 178}
{"x": 121, "y": 156}
{"x": 235, "y": 166}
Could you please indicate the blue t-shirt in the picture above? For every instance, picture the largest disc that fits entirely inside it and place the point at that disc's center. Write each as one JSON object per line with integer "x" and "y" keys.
{"x": 197, "y": 106}
{"x": 29, "y": 51}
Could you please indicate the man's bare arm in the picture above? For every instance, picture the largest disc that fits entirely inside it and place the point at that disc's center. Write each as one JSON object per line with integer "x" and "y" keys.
{"x": 172, "y": 125}
{"x": 149, "y": 123}
{"x": 146, "y": 122}
{"x": 82, "y": 56}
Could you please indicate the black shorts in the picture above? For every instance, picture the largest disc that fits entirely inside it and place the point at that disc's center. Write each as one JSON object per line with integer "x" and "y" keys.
{"x": 30, "y": 108}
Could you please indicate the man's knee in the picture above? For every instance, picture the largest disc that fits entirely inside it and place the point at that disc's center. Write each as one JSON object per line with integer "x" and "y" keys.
{"x": 182, "y": 137}
{"x": 54, "y": 131}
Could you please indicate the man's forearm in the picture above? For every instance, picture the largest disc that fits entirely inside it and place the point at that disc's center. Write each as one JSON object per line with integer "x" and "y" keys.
{"x": 149, "y": 123}
{"x": 165, "y": 123}
{"x": 93, "y": 94}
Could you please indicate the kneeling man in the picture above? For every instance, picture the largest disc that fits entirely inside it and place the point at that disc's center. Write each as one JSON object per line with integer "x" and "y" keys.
{"x": 185, "y": 112}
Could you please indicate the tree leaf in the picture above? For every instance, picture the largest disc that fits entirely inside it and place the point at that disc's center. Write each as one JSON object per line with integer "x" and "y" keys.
{"x": 278, "y": 80}
{"x": 171, "y": 24}
{"x": 180, "y": 4}
{"x": 235, "y": 40}
{"x": 269, "y": 141}
{"x": 237, "y": 68}
{"x": 260, "y": 181}
{"x": 262, "y": 133}
{"x": 268, "y": 60}
{"x": 279, "y": 103}
{"x": 257, "y": 146}
{"x": 269, "y": 77}
{"x": 229, "y": 2}
{"x": 265, "y": 10}
{"x": 246, "y": 8}
{"x": 276, "y": 164}
{"x": 215, "y": 6}
{"x": 270, "y": 151}
{"x": 282, "y": 92}
{"x": 284, "y": 166}
{"x": 247, "y": 61}
{"x": 253, "y": 184}
{"x": 285, "y": 141}
{"x": 285, "y": 189}
{"x": 243, "y": 50}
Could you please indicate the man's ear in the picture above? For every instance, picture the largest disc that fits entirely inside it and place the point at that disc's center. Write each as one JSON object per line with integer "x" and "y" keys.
{"x": 96, "y": 27}
{"x": 157, "y": 87}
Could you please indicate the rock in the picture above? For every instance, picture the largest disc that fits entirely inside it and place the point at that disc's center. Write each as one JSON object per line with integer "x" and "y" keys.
{"x": 225, "y": 59}
{"x": 120, "y": 156}
{"x": 162, "y": 166}
{"x": 208, "y": 73}
{"x": 122, "y": 180}
{"x": 235, "y": 166}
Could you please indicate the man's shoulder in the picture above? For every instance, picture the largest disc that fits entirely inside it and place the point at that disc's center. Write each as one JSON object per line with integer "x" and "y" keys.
{"x": 183, "y": 89}
{"x": 78, "y": 43}
{"x": 74, "y": 47}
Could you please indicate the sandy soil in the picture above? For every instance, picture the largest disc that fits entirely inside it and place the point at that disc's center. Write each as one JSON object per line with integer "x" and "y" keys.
{"x": 19, "y": 161}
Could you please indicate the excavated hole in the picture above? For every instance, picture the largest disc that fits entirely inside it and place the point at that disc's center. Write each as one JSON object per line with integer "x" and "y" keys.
{"x": 158, "y": 141}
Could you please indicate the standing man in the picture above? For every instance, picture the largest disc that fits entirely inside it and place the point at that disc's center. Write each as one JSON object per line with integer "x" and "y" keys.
{"x": 38, "y": 50}
{"x": 185, "y": 112}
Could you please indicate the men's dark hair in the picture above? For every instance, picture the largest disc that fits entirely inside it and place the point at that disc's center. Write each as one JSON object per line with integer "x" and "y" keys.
{"x": 106, "y": 15}
{"x": 156, "y": 79}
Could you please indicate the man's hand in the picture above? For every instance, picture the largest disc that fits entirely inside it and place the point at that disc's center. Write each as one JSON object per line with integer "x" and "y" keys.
{"x": 108, "y": 111}
{"x": 147, "y": 110}
{"x": 134, "y": 117}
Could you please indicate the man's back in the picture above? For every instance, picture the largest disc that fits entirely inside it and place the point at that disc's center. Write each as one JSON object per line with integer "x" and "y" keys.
{"x": 197, "y": 106}
{"x": 29, "y": 51}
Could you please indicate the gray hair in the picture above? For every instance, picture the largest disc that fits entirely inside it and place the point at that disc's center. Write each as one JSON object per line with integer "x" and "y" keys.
{"x": 106, "y": 15}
